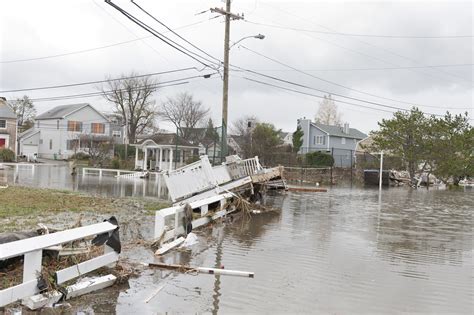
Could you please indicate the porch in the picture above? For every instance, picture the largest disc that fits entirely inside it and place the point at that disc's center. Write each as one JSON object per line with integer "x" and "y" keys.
{"x": 162, "y": 157}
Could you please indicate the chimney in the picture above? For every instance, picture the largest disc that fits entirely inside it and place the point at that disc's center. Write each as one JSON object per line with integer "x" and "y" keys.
{"x": 346, "y": 128}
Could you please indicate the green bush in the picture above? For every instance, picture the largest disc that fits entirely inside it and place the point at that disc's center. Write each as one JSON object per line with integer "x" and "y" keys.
{"x": 80, "y": 156}
{"x": 7, "y": 155}
{"x": 115, "y": 163}
{"x": 320, "y": 159}
{"x": 120, "y": 151}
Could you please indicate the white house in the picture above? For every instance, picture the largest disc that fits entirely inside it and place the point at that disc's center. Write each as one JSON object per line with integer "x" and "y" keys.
{"x": 64, "y": 130}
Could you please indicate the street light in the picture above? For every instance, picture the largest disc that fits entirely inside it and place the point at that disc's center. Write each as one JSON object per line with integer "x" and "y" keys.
{"x": 259, "y": 36}
{"x": 225, "y": 94}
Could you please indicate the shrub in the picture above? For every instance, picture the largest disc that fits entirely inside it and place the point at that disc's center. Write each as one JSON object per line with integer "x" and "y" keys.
{"x": 115, "y": 163}
{"x": 7, "y": 155}
{"x": 80, "y": 156}
{"x": 319, "y": 159}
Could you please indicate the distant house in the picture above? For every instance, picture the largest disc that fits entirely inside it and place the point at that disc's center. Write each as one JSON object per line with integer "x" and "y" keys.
{"x": 338, "y": 141}
{"x": 158, "y": 152}
{"x": 117, "y": 129}
{"x": 8, "y": 126}
{"x": 287, "y": 138}
{"x": 65, "y": 130}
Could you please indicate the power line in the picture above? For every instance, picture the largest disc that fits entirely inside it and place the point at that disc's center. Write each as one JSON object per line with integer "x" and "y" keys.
{"x": 91, "y": 49}
{"x": 361, "y": 35}
{"x": 172, "y": 31}
{"x": 379, "y": 68}
{"x": 99, "y": 81}
{"x": 332, "y": 82}
{"x": 372, "y": 45}
{"x": 163, "y": 38}
{"x": 314, "y": 95}
{"x": 141, "y": 87}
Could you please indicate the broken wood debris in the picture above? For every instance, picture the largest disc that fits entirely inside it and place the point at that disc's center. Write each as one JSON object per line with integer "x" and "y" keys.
{"x": 211, "y": 271}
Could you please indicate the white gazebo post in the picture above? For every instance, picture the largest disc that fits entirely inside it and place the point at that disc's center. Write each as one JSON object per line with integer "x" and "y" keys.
{"x": 136, "y": 157}
{"x": 161, "y": 158}
{"x": 171, "y": 160}
{"x": 145, "y": 158}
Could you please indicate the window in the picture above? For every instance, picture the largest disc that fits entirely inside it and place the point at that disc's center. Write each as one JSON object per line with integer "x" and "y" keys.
{"x": 3, "y": 123}
{"x": 37, "y": 124}
{"x": 116, "y": 133}
{"x": 97, "y": 128}
{"x": 73, "y": 144}
{"x": 74, "y": 126}
{"x": 50, "y": 144}
{"x": 57, "y": 124}
{"x": 319, "y": 139}
{"x": 343, "y": 140}
{"x": 41, "y": 141}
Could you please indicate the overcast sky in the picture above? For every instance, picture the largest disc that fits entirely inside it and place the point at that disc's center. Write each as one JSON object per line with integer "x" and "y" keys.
{"x": 391, "y": 70}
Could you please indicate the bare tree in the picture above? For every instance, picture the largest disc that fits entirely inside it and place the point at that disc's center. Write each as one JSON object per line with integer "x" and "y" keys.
{"x": 327, "y": 112}
{"x": 98, "y": 147}
{"x": 132, "y": 99}
{"x": 25, "y": 112}
{"x": 185, "y": 113}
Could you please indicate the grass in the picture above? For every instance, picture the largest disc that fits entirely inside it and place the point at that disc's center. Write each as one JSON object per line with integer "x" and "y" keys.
{"x": 152, "y": 206}
{"x": 22, "y": 201}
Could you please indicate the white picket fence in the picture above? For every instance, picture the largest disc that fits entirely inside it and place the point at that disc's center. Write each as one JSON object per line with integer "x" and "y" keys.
{"x": 32, "y": 249}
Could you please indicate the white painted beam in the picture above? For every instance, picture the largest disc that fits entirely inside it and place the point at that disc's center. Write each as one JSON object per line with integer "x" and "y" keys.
{"x": 85, "y": 267}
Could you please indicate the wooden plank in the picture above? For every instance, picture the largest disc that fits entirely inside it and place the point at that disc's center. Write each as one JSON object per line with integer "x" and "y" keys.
{"x": 17, "y": 292}
{"x": 165, "y": 248}
{"x": 86, "y": 286}
{"x": 85, "y": 267}
{"x": 90, "y": 285}
{"x": 21, "y": 247}
{"x": 32, "y": 265}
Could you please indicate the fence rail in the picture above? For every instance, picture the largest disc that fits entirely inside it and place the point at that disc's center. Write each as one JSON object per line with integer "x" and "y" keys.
{"x": 32, "y": 250}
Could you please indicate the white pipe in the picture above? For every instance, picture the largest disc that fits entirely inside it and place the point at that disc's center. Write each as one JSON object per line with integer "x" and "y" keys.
{"x": 225, "y": 272}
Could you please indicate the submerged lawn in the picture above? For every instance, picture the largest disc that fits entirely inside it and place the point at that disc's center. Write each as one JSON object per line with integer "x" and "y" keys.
{"x": 21, "y": 201}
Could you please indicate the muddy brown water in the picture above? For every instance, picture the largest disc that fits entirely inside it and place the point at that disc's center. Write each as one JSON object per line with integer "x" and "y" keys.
{"x": 339, "y": 252}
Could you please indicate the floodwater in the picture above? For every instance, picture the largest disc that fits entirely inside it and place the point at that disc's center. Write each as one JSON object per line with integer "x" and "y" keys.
{"x": 339, "y": 252}
{"x": 59, "y": 177}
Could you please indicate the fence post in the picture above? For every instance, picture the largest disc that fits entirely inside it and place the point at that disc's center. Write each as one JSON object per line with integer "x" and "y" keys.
{"x": 351, "y": 168}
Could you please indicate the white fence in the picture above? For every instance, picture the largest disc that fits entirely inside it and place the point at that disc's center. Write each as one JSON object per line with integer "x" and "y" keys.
{"x": 32, "y": 249}
{"x": 165, "y": 232}
{"x": 201, "y": 176}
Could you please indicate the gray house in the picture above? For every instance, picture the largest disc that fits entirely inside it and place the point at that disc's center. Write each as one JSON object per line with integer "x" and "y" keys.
{"x": 338, "y": 141}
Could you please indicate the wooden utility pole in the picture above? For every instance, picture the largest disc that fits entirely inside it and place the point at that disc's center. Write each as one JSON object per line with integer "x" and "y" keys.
{"x": 225, "y": 92}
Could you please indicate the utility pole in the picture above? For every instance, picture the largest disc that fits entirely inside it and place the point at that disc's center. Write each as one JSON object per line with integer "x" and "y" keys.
{"x": 225, "y": 94}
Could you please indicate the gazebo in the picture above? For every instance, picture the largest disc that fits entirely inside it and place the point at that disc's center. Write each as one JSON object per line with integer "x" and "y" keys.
{"x": 161, "y": 152}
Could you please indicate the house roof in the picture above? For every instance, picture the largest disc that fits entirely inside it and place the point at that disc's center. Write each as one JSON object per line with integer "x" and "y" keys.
{"x": 339, "y": 131}
{"x": 167, "y": 139}
{"x": 6, "y": 111}
{"x": 61, "y": 111}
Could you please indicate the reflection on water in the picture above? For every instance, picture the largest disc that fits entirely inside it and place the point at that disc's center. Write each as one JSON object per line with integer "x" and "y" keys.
{"x": 59, "y": 177}
{"x": 335, "y": 252}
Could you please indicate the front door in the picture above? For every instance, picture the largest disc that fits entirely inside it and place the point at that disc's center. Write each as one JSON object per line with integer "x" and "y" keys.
{"x": 2, "y": 143}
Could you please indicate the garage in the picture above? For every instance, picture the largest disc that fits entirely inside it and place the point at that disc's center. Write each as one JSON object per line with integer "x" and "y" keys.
{"x": 29, "y": 149}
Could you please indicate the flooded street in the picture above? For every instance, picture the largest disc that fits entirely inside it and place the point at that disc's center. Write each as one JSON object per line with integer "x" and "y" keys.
{"x": 335, "y": 252}
{"x": 344, "y": 251}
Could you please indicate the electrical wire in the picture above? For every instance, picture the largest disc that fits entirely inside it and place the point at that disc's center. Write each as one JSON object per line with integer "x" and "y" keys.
{"x": 361, "y": 35}
{"x": 93, "y": 49}
{"x": 164, "y": 39}
{"x": 175, "y": 33}
{"x": 99, "y": 81}
{"x": 334, "y": 83}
